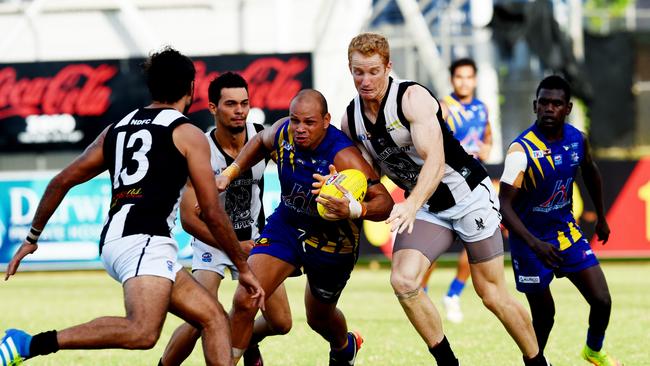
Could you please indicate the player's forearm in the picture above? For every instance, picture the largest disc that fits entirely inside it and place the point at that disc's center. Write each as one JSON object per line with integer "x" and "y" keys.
{"x": 515, "y": 225}
{"x": 379, "y": 204}
{"x": 220, "y": 227}
{"x": 194, "y": 226}
{"x": 54, "y": 194}
{"x": 252, "y": 153}
{"x": 428, "y": 181}
{"x": 594, "y": 184}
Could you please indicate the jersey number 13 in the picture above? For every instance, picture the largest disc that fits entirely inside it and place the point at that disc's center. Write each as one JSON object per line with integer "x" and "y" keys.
{"x": 140, "y": 157}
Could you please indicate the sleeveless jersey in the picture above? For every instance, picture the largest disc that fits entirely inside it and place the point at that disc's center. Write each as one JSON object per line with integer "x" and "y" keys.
{"x": 243, "y": 197}
{"x": 544, "y": 203}
{"x": 389, "y": 142}
{"x": 297, "y": 204}
{"x": 467, "y": 122}
{"x": 147, "y": 173}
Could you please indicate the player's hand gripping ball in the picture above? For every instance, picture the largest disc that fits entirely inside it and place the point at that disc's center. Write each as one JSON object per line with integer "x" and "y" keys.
{"x": 353, "y": 180}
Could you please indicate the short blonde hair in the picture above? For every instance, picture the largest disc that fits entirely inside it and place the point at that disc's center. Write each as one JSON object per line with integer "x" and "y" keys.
{"x": 369, "y": 44}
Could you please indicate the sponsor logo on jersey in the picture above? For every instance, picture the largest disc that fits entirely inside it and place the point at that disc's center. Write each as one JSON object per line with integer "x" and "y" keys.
{"x": 206, "y": 257}
{"x": 287, "y": 145}
{"x": 538, "y": 154}
{"x": 528, "y": 279}
{"x": 262, "y": 242}
{"x": 170, "y": 265}
{"x": 558, "y": 199}
{"x": 393, "y": 126}
{"x": 140, "y": 121}
{"x": 364, "y": 136}
{"x": 574, "y": 145}
{"x": 557, "y": 159}
{"x": 574, "y": 157}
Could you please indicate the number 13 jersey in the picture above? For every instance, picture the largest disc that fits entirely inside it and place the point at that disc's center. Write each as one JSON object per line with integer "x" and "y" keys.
{"x": 147, "y": 173}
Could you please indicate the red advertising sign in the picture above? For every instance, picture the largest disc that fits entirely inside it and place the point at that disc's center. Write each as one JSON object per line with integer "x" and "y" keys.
{"x": 64, "y": 105}
{"x": 629, "y": 217}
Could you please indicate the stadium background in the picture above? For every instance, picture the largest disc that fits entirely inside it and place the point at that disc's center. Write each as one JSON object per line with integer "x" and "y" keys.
{"x": 68, "y": 68}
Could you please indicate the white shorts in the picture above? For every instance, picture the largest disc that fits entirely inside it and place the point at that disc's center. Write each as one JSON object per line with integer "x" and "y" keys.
{"x": 140, "y": 255}
{"x": 475, "y": 217}
{"x": 208, "y": 258}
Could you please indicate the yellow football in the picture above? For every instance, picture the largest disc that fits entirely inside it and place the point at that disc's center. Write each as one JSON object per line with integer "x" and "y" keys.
{"x": 351, "y": 179}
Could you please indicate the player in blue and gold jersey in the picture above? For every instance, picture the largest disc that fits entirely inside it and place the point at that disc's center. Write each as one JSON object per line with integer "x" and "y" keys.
{"x": 295, "y": 236}
{"x": 536, "y": 203}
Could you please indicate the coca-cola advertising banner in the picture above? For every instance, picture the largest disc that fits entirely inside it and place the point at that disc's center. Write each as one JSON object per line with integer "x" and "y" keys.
{"x": 65, "y": 105}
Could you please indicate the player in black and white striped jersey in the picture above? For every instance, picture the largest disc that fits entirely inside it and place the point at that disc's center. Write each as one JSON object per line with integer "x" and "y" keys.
{"x": 229, "y": 105}
{"x": 398, "y": 126}
{"x": 150, "y": 154}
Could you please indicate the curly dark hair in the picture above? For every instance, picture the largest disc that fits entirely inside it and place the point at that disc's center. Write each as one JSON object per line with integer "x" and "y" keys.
{"x": 169, "y": 75}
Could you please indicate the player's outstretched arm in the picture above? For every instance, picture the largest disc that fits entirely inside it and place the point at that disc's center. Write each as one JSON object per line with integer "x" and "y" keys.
{"x": 511, "y": 181}
{"x": 86, "y": 166}
{"x": 191, "y": 142}
{"x": 420, "y": 110}
{"x": 254, "y": 151}
{"x": 594, "y": 183}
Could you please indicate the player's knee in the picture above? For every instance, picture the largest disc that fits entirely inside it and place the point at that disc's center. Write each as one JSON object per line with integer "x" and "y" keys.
{"x": 282, "y": 327}
{"x": 602, "y": 301}
{"x": 243, "y": 304}
{"x": 403, "y": 282}
{"x": 143, "y": 339}
{"x": 491, "y": 298}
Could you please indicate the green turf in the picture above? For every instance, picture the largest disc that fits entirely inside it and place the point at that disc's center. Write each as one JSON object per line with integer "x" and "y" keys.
{"x": 41, "y": 301}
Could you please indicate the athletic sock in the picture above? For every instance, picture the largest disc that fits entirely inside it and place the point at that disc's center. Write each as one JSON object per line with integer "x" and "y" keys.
{"x": 538, "y": 360}
{"x": 43, "y": 344}
{"x": 347, "y": 352}
{"x": 443, "y": 354}
{"x": 595, "y": 340}
{"x": 456, "y": 287}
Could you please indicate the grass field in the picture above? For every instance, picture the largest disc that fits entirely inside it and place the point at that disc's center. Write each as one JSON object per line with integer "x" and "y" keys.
{"x": 42, "y": 301}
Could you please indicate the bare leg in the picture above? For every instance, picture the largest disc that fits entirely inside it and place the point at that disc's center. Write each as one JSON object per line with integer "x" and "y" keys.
{"x": 326, "y": 319}
{"x": 276, "y": 319}
{"x": 194, "y": 304}
{"x": 489, "y": 282}
{"x": 542, "y": 308}
{"x": 592, "y": 285}
{"x": 146, "y": 301}
{"x": 182, "y": 342}
{"x": 408, "y": 268}
{"x": 271, "y": 272}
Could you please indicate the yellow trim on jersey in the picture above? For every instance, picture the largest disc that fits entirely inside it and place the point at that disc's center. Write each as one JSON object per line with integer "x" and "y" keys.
{"x": 456, "y": 114}
{"x": 292, "y": 152}
{"x": 530, "y": 136}
{"x": 281, "y": 146}
{"x": 536, "y": 161}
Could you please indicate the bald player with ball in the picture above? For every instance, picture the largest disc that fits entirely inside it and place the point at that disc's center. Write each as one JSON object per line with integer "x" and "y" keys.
{"x": 296, "y": 236}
